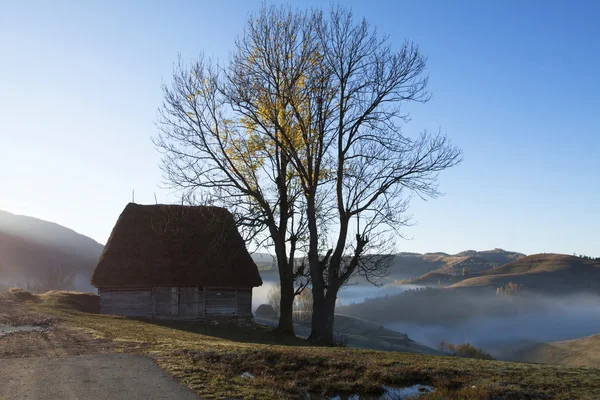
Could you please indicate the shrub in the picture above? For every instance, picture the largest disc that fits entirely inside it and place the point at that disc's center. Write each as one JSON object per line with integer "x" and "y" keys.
{"x": 465, "y": 350}
{"x": 51, "y": 278}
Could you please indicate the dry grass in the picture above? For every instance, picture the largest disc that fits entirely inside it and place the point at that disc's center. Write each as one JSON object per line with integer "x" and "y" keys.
{"x": 578, "y": 352}
{"x": 210, "y": 360}
{"x": 76, "y": 301}
{"x": 15, "y": 309}
{"x": 556, "y": 273}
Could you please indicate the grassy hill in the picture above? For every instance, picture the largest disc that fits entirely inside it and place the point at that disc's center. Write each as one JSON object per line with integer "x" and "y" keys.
{"x": 555, "y": 273}
{"x": 412, "y": 265}
{"x": 211, "y": 359}
{"x": 583, "y": 352}
{"x": 470, "y": 262}
{"x": 362, "y": 334}
{"x": 367, "y": 335}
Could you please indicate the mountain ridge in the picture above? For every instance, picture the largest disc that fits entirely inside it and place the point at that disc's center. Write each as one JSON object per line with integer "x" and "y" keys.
{"x": 543, "y": 271}
{"x": 44, "y": 232}
{"x": 453, "y": 267}
{"x": 29, "y": 245}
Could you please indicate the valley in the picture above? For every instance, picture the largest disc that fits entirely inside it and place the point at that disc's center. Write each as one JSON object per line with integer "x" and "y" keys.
{"x": 425, "y": 299}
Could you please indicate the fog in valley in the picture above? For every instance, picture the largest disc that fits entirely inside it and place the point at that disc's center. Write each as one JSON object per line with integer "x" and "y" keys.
{"x": 562, "y": 320}
{"x": 502, "y": 326}
{"x": 350, "y": 294}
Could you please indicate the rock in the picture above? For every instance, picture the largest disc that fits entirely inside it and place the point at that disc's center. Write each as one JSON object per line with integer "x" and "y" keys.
{"x": 247, "y": 375}
{"x": 265, "y": 310}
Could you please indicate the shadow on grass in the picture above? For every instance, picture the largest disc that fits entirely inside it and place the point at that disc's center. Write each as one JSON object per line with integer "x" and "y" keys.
{"x": 258, "y": 334}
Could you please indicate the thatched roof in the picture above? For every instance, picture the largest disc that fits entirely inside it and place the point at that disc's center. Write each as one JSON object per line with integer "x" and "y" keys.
{"x": 172, "y": 245}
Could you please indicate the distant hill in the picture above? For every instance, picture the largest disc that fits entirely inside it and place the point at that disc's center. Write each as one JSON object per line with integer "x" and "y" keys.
{"x": 425, "y": 268}
{"x": 555, "y": 273}
{"x": 28, "y": 245}
{"x": 583, "y": 352}
{"x": 470, "y": 262}
{"x": 412, "y": 265}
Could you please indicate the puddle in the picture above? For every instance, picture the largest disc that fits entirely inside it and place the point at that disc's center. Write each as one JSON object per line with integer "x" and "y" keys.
{"x": 6, "y": 329}
{"x": 390, "y": 393}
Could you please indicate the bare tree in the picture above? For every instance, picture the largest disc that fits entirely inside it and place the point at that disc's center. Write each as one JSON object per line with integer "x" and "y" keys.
{"x": 377, "y": 167}
{"x": 51, "y": 278}
{"x": 303, "y": 306}
{"x": 274, "y": 298}
{"x": 303, "y": 303}
{"x": 300, "y": 134}
{"x": 220, "y": 130}
{"x": 357, "y": 169}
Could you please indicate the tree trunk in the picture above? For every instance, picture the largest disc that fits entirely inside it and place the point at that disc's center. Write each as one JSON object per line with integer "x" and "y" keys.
{"x": 286, "y": 304}
{"x": 324, "y": 308}
{"x": 286, "y": 282}
{"x": 318, "y": 317}
{"x": 323, "y": 319}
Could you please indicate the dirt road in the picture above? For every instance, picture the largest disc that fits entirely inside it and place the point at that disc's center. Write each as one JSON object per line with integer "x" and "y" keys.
{"x": 57, "y": 362}
{"x": 99, "y": 376}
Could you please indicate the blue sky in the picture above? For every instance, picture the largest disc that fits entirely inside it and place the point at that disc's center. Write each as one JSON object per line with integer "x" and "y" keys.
{"x": 516, "y": 85}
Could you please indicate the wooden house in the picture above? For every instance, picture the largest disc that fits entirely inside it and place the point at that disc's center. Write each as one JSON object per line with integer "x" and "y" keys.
{"x": 176, "y": 262}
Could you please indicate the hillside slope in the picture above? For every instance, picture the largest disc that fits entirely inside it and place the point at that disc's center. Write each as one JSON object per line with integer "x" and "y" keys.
{"x": 29, "y": 245}
{"x": 362, "y": 334}
{"x": 468, "y": 262}
{"x": 556, "y": 273}
{"x": 583, "y": 352}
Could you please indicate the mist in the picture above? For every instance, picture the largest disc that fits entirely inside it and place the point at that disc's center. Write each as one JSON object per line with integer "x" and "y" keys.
{"x": 30, "y": 246}
{"x": 499, "y": 325}
{"x": 559, "y": 319}
{"x": 349, "y": 294}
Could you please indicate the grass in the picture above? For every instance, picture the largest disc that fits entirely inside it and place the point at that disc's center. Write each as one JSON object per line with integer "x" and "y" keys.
{"x": 554, "y": 273}
{"x": 211, "y": 359}
{"x": 576, "y": 352}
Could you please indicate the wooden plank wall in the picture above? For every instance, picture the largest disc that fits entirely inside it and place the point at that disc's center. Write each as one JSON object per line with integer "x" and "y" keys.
{"x": 127, "y": 303}
{"x": 165, "y": 300}
{"x": 177, "y": 302}
{"x": 244, "y": 302}
{"x": 221, "y": 302}
{"x": 189, "y": 303}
